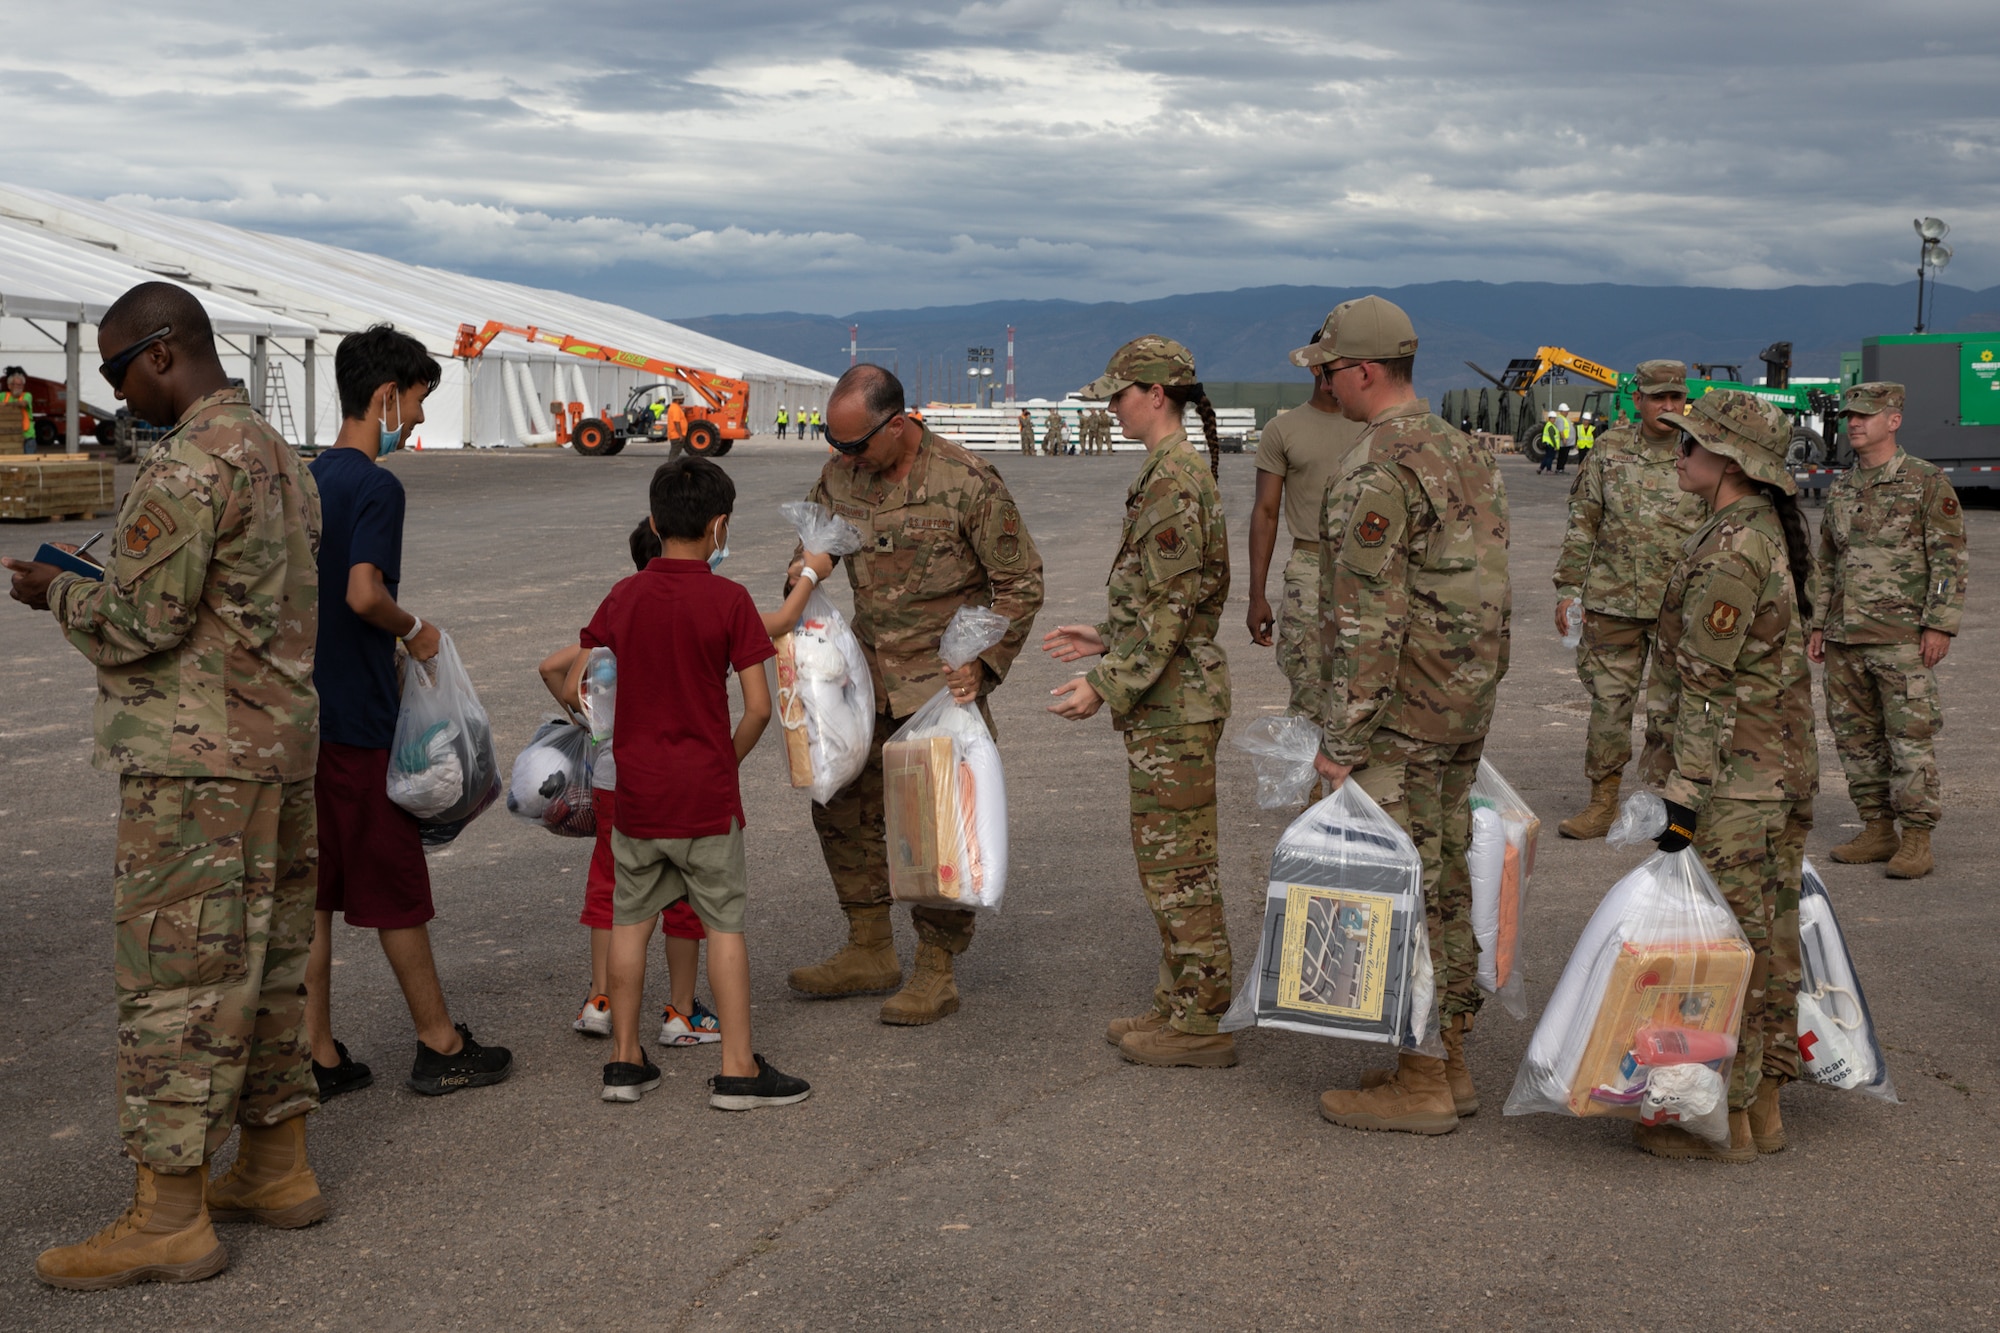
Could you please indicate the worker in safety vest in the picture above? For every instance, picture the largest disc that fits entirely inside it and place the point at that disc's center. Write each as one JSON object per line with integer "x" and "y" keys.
{"x": 782, "y": 421}
{"x": 1553, "y": 430}
{"x": 1586, "y": 438}
{"x": 677, "y": 426}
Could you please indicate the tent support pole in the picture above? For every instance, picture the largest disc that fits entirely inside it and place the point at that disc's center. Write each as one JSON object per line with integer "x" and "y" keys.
{"x": 260, "y": 371}
{"x": 312, "y": 402}
{"x": 465, "y": 410}
{"x": 73, "y": 383}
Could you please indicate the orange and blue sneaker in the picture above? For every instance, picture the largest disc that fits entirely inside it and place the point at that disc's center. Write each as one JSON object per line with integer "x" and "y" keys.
{"x": 594, "y": 1019}
{"x": 691, "y": 1029}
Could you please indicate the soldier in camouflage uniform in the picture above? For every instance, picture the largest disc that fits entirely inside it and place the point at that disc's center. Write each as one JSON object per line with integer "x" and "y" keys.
{"x": 1627, "y": 519}
{"x": 1890, "y": 593}
{"x": 1729, "y": 734}
{"x": 1416, "y": 604}
{"x": 202, "y": 632}
{"x": 1053, "y": 437}
{"x": 940, "y": 530}
{"x": 1027, "y": 426}
{"x": 1167, "y": 681}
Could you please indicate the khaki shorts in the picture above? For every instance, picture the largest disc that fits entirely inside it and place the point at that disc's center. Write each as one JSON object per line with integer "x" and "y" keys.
{"x": 656, "y": 872}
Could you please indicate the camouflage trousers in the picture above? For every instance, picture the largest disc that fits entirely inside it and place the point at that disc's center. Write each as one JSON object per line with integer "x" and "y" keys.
{"x": 1298, "y": 630}
{"x": 1426, "y": 787}
{"x": 1027, "y": 444}
{"x": 853, "y": 837}
{"x": 1611, "y": 663}
{"x": 215, "y": 882}
{"x": 1756, "y": 850}
{"x": 1882, "y": 703}
{"x": 1172, "y": 773}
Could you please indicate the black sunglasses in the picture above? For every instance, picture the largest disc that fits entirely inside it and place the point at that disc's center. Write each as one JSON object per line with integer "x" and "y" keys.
{"x": 852, "y": 447}
{"x": 114, "y": 369}
{"x": 1688, "y": 445}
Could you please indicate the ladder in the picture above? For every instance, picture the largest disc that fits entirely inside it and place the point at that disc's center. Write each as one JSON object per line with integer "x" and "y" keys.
{"x": 277, "y": 405}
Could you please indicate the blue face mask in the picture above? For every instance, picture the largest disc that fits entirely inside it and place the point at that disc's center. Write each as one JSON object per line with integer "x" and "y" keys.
{"x": 390, "y": 440}
{"x": 720, "y": 553}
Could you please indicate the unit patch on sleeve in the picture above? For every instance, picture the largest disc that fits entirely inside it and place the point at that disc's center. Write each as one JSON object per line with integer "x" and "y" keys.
{"x": 1722, "y": 620}
{"x": 1372, "y": 528}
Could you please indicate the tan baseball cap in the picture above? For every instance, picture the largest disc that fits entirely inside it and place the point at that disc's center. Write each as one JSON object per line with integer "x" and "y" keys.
{"x": 1150, "y": 359}
{"x": 1372, "y": 329}
{"x": 1662, "y": 377}
{"x": 1743, "y": 428}
{"x": 1873, "y": 397}
{"x": 1320, "y": 350}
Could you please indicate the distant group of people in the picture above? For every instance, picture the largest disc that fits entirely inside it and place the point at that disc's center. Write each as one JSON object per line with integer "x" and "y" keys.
{"x": 1561, "y": 436}
{"x": 806, "y": 419}
{"x": 240, "y": 580}
{"x": 1093, "y": 433}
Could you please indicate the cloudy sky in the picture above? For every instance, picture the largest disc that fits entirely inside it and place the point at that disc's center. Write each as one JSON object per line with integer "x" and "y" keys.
{"x": 828, "y": 157}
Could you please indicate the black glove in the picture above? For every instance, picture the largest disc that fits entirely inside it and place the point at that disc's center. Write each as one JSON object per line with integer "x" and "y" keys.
{"x": 1680, "y": 828}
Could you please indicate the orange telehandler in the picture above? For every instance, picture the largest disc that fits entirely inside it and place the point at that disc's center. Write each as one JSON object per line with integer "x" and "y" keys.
{"x": 715, "y": 422}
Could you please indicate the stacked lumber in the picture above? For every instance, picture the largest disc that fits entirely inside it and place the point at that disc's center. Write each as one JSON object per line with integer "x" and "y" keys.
{"x": 12, "y": 438}
{"x": 56, "y": 486}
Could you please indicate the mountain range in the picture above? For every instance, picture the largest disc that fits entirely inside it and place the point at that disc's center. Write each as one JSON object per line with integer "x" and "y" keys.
{"x": 1245, "y": 334}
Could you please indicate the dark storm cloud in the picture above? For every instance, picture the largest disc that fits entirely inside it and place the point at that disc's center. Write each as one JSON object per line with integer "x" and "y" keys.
{"x": 781, "y": 154}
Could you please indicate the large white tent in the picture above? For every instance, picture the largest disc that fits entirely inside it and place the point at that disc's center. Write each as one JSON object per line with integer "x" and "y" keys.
{"x": 321, "y": 292}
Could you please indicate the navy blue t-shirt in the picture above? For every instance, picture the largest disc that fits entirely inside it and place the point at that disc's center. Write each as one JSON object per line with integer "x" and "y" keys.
{"x": 361, "y": 523}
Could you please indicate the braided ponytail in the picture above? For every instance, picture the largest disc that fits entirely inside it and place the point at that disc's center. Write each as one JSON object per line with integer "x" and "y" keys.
{"x": 1798, "y": 547}
{"x": 1183, "y": 394}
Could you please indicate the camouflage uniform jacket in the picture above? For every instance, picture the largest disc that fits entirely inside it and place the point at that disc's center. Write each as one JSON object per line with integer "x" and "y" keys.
{"x": 204, "y": 625}
{"x": 1892, "y": 558}
{"x": 1627, "y": 519}
{"x": 945, "y": 536}
{"x": 1729, "y": 708}
{"x": 1162, "y": 666}
{"x": 1415, "y": 601}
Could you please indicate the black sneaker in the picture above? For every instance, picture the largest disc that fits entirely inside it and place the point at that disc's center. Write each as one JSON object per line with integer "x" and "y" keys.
{"x": 471, "y": 1066}
{"x": 628, "y": 1082}
{"x": 769, "y": 1088}
{"x": 349, "y": 1075}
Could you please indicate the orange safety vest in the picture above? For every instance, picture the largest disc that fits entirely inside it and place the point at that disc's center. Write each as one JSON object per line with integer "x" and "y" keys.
{"x": 677, "y": 421}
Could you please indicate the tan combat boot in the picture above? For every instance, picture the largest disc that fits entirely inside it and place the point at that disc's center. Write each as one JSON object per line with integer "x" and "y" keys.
{"x": 271, "y": 1182}
{"x": 163, "y": 1237}
{"x": 866, "y": 965}
{"x": 1152, "y": 1021}
{"x": 1913, "y": 859}
{"x": 1464, "y": 1097}
{"x": 931, "y": 994}
{"x": 1875, "y": 842}
{"x": 1767, "y": 1131}
{"x": 1416, "y": 1101}
{"x": 1594, "y": 820}
{"x": 1169, "y": 1048}
{"x": 1673, "y": 1141}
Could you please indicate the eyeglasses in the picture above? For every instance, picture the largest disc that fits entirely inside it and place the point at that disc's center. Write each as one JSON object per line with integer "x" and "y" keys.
{"x": 1331, "y": 371}
{"x": 852, "y": 447}
{"x": 1688, "y": 445}
{"x": 114, "y": 369}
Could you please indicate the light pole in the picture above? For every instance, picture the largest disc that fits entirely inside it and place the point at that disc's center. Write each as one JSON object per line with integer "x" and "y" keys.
{"x": 1931, "y": 260}
{"x": 975, "y": 358}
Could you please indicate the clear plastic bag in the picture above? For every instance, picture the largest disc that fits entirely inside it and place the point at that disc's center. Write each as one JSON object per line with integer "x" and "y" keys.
{"x": 550, "y": 781}
{"x": 1641, "y": 819}
{"x": 945, "y": 794}
{"x": 821, "y": 531}
{"x": 826, "y": 700}
{"x": 1502, "y": 859}
{"x": 1345, "y": 951}
{"x": 597, "y": 691}
{"x": 442, "y": 767}
{"x": 1282, "y": 750}
{"x": 1656, "y": 981}
{"x": 1837, "y": 1042}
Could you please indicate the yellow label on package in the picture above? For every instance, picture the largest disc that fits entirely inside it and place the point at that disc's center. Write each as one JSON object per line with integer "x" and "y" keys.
{"x": 1335, "y": 959}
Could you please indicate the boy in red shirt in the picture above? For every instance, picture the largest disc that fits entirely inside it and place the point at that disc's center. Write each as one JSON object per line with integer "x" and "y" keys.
{"x": 677, "y": 631}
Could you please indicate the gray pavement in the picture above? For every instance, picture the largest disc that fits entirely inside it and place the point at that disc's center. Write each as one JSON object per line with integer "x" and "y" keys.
{"x": 1002, "y": 1168}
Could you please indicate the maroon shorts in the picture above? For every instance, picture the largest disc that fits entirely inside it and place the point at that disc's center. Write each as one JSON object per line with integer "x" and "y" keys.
{"x": 679, "y": 920}
{"x": 371, "y": 857}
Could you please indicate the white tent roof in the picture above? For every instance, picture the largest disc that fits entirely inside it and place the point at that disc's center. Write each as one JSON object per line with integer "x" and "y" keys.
{"x": 338, "y": 290}
{"x": 47, "y": 277}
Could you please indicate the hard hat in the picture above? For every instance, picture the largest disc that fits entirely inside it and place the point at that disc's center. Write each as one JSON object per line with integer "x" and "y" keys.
{"x": 1562, "y": 407}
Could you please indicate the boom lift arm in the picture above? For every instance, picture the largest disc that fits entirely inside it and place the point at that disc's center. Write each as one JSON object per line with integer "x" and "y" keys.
{"x": 720, "y": 418}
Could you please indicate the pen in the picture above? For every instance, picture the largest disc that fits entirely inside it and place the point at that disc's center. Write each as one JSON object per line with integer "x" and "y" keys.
{"x": 92, "y": 542}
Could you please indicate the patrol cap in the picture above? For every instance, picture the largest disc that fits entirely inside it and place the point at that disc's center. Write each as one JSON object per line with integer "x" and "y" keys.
{"x": 1320, "y": 350}
{"x": 1150, "y": 359}
{"x": 1662, "y": 377}
{"x": 1372, "y": 329}
{"x": 1743, "y": 428}
{"x": 1875, "y": 396}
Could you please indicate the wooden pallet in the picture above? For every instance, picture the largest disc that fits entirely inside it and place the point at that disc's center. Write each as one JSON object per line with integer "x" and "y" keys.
{"x": 38, "y": 486}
